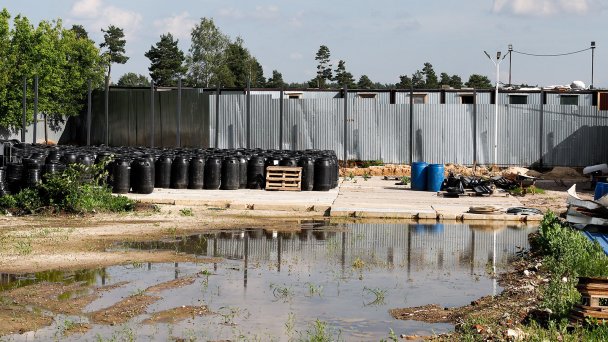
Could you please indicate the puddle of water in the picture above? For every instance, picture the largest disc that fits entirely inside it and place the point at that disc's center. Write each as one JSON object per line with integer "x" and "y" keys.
{"x": 274, "y": 285}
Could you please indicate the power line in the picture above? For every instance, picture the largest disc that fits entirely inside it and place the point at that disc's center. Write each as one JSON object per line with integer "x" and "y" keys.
{"x": 550, "y": 55}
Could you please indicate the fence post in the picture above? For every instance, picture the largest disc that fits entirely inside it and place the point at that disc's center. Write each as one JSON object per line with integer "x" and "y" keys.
{"x": 89, "y": 114}
{"x": 35, "y": 135}
{"x": 217, "y": 116}
{"x": 411, "y": 124}
{"x": 542, "y": 122}
{"x": 23, "y": 118}
{"x": 106, "y": 109}
{"x": 179, "y": 113}
{"x": 248, "y": 113}
{"x": 345, "y": 126}
{"x": 152, "y": 114}
{"x": 474, "y": 127}
{"x": 281, "y": 113}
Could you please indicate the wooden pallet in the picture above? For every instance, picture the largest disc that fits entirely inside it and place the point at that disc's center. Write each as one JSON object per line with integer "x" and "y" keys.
{"x": 591, "y": 290}
{"x": 284, "y": 178}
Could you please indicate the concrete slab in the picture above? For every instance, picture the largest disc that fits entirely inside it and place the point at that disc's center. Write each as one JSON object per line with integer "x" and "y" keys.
{"x": 374, "y": 198}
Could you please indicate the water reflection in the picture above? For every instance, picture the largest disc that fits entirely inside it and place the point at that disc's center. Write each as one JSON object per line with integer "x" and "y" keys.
{"x": 409, "y": 264}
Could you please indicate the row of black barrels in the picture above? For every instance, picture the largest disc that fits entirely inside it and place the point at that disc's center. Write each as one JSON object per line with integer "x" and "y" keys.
{"x": 15, "y": 177}
{"x": 213, "y": 172}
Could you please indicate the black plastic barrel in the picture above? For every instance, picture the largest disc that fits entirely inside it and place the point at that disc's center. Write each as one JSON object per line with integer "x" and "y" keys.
{"x": 213, "y": 170}
{"x": 230, "y": 174}
{"x": 196, "y": 174}
{"x": 32, "y": 176}
{"x": 14, "y": 176}
{"x": 144, "y": 176}
{"x": 179, "y": 172}
{"x": 243, "y": 163}
{"x": 255, "y": 173}
{"x": 162, "y": 175}
{"x": 52, "y": 168}
{"x": 323, "y": 174}
{"x": 121, "y": 176}
{"x": 288, "y": 161}
{"x": 308, "y": 173}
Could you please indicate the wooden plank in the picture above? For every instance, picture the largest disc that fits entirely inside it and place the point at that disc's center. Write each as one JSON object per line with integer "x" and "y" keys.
{"x": 284, "y": 168}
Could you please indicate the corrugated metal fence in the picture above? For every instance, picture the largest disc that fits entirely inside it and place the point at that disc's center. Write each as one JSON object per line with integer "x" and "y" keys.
{"x": 394, "y": 133}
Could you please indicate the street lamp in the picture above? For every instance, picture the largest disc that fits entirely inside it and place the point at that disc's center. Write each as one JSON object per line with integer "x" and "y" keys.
{"x": 497, "y": 64}
{"x": 592, "y": 60}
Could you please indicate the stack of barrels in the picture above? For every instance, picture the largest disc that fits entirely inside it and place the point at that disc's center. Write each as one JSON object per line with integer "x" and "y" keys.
{"x": 141, "y": 169}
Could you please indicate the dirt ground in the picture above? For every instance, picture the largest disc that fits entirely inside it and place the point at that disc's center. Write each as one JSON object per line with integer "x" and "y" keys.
{"x": 517, "y": 301}
{"x": 39, "y": 243}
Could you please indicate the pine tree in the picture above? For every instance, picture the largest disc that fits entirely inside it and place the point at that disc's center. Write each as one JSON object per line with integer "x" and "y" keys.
{"x": 365, "y": 83}
{"x": 166, "y": 61}
{"x": 343, "y": 77}
{"x": 114, "y": 41}
{"x": 324, "y": 72}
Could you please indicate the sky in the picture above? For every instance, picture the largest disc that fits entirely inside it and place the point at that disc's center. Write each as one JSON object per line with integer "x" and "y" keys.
{"x": 382, "y": 39}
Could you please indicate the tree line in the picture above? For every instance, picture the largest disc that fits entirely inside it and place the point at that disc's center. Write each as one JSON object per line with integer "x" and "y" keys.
{"x": 65, "y": 59}
{"x": 214, "y": 59}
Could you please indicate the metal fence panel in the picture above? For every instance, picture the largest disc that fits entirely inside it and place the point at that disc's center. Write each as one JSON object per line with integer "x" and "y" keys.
{"x": 393, "y": 133}
{"x": 232, "y": 121}
{"x": 518, "y": 134}
{"x": 265, "y": 124}
{"x": 363, "y": 137}
{"x": 575, "y": 136}
{"x": 443, "y": 133}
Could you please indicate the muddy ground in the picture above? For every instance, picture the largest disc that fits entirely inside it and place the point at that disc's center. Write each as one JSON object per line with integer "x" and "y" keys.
{"x": 39, "y": 243}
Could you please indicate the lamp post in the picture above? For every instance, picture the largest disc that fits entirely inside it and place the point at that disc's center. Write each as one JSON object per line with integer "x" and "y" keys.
{"x": 510, "y": 52}
{"x": 497, "y": 64}
{"x": 592, "y": 60}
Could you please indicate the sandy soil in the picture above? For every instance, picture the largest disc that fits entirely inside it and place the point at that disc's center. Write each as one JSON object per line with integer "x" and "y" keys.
{"x": 519, "y": 298}
{"x": 39, "y": 243}
{"x": 177, "y": 314}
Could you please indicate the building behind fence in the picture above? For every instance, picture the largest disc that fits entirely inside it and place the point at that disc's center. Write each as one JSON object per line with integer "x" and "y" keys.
{"x": 548, "y": 128}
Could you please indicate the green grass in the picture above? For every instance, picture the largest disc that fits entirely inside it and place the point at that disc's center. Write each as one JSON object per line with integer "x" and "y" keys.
{"x": 79, "y": 189}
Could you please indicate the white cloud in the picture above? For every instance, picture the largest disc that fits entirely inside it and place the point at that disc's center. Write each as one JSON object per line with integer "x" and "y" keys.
{"x": 180, "y": 25}
{"x": 297, "y": 21}
{"x": 265, "y": 12}
{"x": 85, "y": 8}
{"x": 542, "y": 8}
{"x": 296, "y": 56}
{"x": 230, "y": 13}
{"x": 259, "y": 13}
{"x": 97, "y": 15}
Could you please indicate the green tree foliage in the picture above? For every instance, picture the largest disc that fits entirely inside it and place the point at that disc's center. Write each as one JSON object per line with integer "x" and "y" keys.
{"x": 242, "y": 66}
{"x": 324, "y": 72}
{"x": 405, "y": 82}
{"x": 479, "y": 82}
{"x": 206, "y": 58}
{"x": 453, "y": 81}
{"x": 114, "y": 42}
{"x": 418, "y": 80}
{"x": 430, "y": 78}
{"x": 343, "y": 77}
{"x": 365, "y": 83}
{"x": 63, "y": 61}
{"x": 166, "y": 61}
{"x": 276, "y": 80}
{"x": 132, "y": 79}
{"x": 80, "y": 31}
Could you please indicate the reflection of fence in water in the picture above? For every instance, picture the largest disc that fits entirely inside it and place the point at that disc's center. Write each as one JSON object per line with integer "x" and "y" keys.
{"x": 440, "y": 246}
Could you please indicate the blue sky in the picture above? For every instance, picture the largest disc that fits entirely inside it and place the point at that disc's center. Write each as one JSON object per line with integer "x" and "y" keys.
{"x": 382, "y": 39}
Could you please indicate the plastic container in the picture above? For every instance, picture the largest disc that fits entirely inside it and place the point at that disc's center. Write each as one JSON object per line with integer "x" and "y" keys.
{"x": 213, "y": 169}
{"x": 323, "y": 174}
{"x": 601, "y": 189}
{"x": 419, "y": 171}
{"x": 434, "y": 177}
{"x": 230, "y": 174}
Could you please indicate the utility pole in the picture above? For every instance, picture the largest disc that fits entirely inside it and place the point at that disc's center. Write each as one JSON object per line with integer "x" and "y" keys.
{"x": 497, "y": 64}
{"x": 510, "y": 53}
{"x": 592, "y": 62}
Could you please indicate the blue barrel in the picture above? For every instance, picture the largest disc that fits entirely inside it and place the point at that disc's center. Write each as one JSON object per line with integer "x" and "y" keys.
{"x": 601, "y": 189}
{"x": 419, "y": 176}
{"x": 434, "y": 177}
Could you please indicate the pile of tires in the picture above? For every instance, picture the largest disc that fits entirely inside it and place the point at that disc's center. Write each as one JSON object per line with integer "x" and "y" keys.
{"x": 142, "y": 169}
